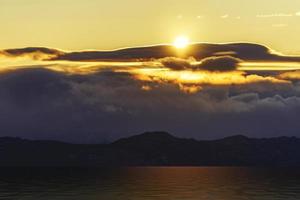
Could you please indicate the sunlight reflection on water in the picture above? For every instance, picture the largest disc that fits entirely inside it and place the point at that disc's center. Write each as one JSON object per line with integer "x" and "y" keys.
{"x": 150, "y": 183}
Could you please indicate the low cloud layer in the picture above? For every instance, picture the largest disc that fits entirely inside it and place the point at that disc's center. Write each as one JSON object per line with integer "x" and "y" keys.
{"x": 206, "y": 96}
{"x": 106, "y": 105}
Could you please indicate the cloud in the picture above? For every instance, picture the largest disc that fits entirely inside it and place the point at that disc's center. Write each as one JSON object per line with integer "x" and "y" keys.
{"x": 49, "y": 104}
{"x": 176, "y": 63}
{"x": 244, "y": 51}
{"x": 219, "y": 63}
{"x": 202, "y": 95}
{"x": 246, "y": 98}
{"x": 215, "y": 63}
{"x": 29, "y": 87}
{"x": 275, "y": 15}
{"x": 279, "y": 25}
{"x": 36, "y": 53}
{"x": 193, "y": 80}
{"x": 291, "y": 75}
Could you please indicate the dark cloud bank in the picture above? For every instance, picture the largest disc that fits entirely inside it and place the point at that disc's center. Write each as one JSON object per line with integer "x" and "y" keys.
{"x": 244, "y": 51}
{"x": 43, "y": 104}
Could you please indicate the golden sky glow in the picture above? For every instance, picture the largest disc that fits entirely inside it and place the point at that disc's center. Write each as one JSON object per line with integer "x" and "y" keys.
{"x": 98, "y": 24}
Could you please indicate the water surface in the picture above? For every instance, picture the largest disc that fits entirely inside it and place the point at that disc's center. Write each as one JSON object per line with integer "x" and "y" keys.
{"x": 174, "y": 183}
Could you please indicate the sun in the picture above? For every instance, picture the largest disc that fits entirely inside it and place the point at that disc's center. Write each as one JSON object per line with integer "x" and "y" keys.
{"x": 181, "y": 42}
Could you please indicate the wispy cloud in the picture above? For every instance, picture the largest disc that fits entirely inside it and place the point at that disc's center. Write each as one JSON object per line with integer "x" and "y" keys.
{"x": 279, "y": 25}
{"x": 225, "y": 16}
{"x": 270, "y": 15}
{"x": 275, "y": 15}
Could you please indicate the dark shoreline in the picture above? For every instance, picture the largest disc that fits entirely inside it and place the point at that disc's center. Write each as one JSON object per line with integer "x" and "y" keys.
{"x": 156, "y": 149}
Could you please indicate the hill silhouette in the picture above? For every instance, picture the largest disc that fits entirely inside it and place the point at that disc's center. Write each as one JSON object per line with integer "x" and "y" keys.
{"x": 153, "y": 149}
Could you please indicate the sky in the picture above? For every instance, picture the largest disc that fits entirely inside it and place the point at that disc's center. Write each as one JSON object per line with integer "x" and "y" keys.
{"x": 99, "y": 24}
{"x": 235, "y": 69}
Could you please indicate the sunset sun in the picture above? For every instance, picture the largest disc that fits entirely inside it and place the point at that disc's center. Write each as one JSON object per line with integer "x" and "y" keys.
{"x": 181, "y": 42}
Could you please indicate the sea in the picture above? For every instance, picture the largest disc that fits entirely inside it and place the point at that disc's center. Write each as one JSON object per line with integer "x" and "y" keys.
{"x": 150, "y": 183}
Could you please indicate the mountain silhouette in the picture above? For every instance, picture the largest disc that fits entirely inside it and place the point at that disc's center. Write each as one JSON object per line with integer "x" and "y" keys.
{"x": 153, "y": 149}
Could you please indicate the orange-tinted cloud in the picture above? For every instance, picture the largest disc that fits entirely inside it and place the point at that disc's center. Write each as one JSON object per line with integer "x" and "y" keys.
{"x": 197, "y": 79}
{"x": 293, "y": 75}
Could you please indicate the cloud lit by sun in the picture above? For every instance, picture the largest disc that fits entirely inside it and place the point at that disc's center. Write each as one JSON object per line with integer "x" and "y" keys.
{"x": 181, "y": 42}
